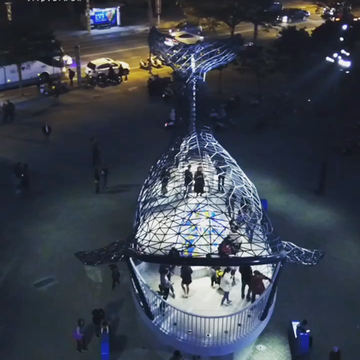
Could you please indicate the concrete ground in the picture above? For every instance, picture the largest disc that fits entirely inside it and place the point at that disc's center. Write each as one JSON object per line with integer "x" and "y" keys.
{"x": 41, "y": 231}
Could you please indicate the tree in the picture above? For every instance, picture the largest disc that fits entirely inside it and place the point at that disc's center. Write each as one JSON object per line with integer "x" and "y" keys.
{"x": 21, "y": 42}
{"x": 292, "y": 48}
{"x": 255, "y": 13}
{"x": 229, "y": 12}
{"x": 260, "y": 61}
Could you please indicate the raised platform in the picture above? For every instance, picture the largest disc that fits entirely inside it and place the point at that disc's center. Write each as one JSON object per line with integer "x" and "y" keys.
{"x": 203, "y": 300}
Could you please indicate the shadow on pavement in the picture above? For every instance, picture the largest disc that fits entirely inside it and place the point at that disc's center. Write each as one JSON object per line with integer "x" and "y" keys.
{"x": 30, "y": 141}
{"x": 121, "y": 188}
{"x": 117, "y": 341}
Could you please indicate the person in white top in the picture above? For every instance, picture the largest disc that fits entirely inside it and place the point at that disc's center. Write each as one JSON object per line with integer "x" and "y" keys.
{"x": 226, "y": 284}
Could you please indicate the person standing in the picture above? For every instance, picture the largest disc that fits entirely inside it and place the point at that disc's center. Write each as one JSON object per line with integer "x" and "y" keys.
{"x": 11, "y": 110}
{"x": 97, "y": 181}
{"x": 79, "y": 336}
{"x": 121, "y": 72}
{"x": 246, "y": 274}
{"x": 213, "y": 276}
{"x": 221, "y": 178}
{"x": 115, "y": 275}
{"x": 104, "y": 177}
{"x": 71, "y": 76}
{"x": 188, "y": 180}
{"x": 98, "y": 316}
{"x": 226, "y": 284}
{"x": 186, "y": 279}
{"x": 46, "y": 129}
{"x": 165, "y": 177}
{"x": 199, "y": 181}
{"x": 95, "y": 152}
{"x": 165, "y": 287}
{"x": 256, "y": 285}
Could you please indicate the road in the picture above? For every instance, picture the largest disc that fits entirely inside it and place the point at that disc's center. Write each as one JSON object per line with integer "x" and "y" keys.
{"x": 132, "y": 48}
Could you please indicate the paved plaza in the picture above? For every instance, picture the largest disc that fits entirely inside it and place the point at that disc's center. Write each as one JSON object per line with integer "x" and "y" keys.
{"x": 62, "y": 214}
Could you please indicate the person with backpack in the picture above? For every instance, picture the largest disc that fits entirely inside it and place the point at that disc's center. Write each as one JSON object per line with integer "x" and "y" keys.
{"x": 115, "y": 275}
{"x": 78, "y": 335}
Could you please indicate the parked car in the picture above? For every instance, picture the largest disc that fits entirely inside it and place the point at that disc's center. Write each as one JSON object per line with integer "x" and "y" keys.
{"x": 187, "y": 38}
{"x": 291, "y": 15}
{"x": 102, "y": 66}
{"x": 190, "y": 27}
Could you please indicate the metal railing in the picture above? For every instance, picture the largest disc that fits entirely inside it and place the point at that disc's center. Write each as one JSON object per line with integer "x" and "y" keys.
{"x": 203, "y": 330}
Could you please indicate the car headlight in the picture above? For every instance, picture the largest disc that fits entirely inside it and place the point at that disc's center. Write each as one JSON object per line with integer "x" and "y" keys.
{"x": 285, "y": 19}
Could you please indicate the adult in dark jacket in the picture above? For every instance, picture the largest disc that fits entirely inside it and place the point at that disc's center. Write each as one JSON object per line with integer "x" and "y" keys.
{"x": 246, "y": 275}
{"x": 199, "y": 181}
{"x": 188, "y": 179}
{"x": 186, "y": 279}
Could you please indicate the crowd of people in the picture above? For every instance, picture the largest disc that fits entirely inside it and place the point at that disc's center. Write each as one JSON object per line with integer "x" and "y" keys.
{"x": 226, "y": 279}
{"x": 252, "y": 282}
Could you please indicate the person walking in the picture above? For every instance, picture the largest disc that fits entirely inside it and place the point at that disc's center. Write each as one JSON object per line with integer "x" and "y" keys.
{"x": 104, "y": 177}
{"x": 165, "y": 177}
{"x": 335, "y": 354}
{"x": 46, "y": 129}
{"x": 186, "y": 279}
{"x": 71, "y": 76}
{"x": 246, "y": 274}
{"x": 98, "y": 316}
{"x": 115, "y": 275}
{"x": 177, "y": 355}
{"x": 97, "y": 181}
{"x": 95, "y": 152}
{"x": 79, "y": 336}
{"x": 188, "y": 180}
{"x": 256, "y": 284}
{"x": 199, "y": 181}
{"x": 226, "y": 284}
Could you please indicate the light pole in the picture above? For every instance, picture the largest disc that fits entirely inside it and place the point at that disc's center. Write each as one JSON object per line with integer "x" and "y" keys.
{"x": 78, "y": 64}
{"x": 87, "y": 13}
{"x": 8, "y": 11}
{"x": 158, "y": 10}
